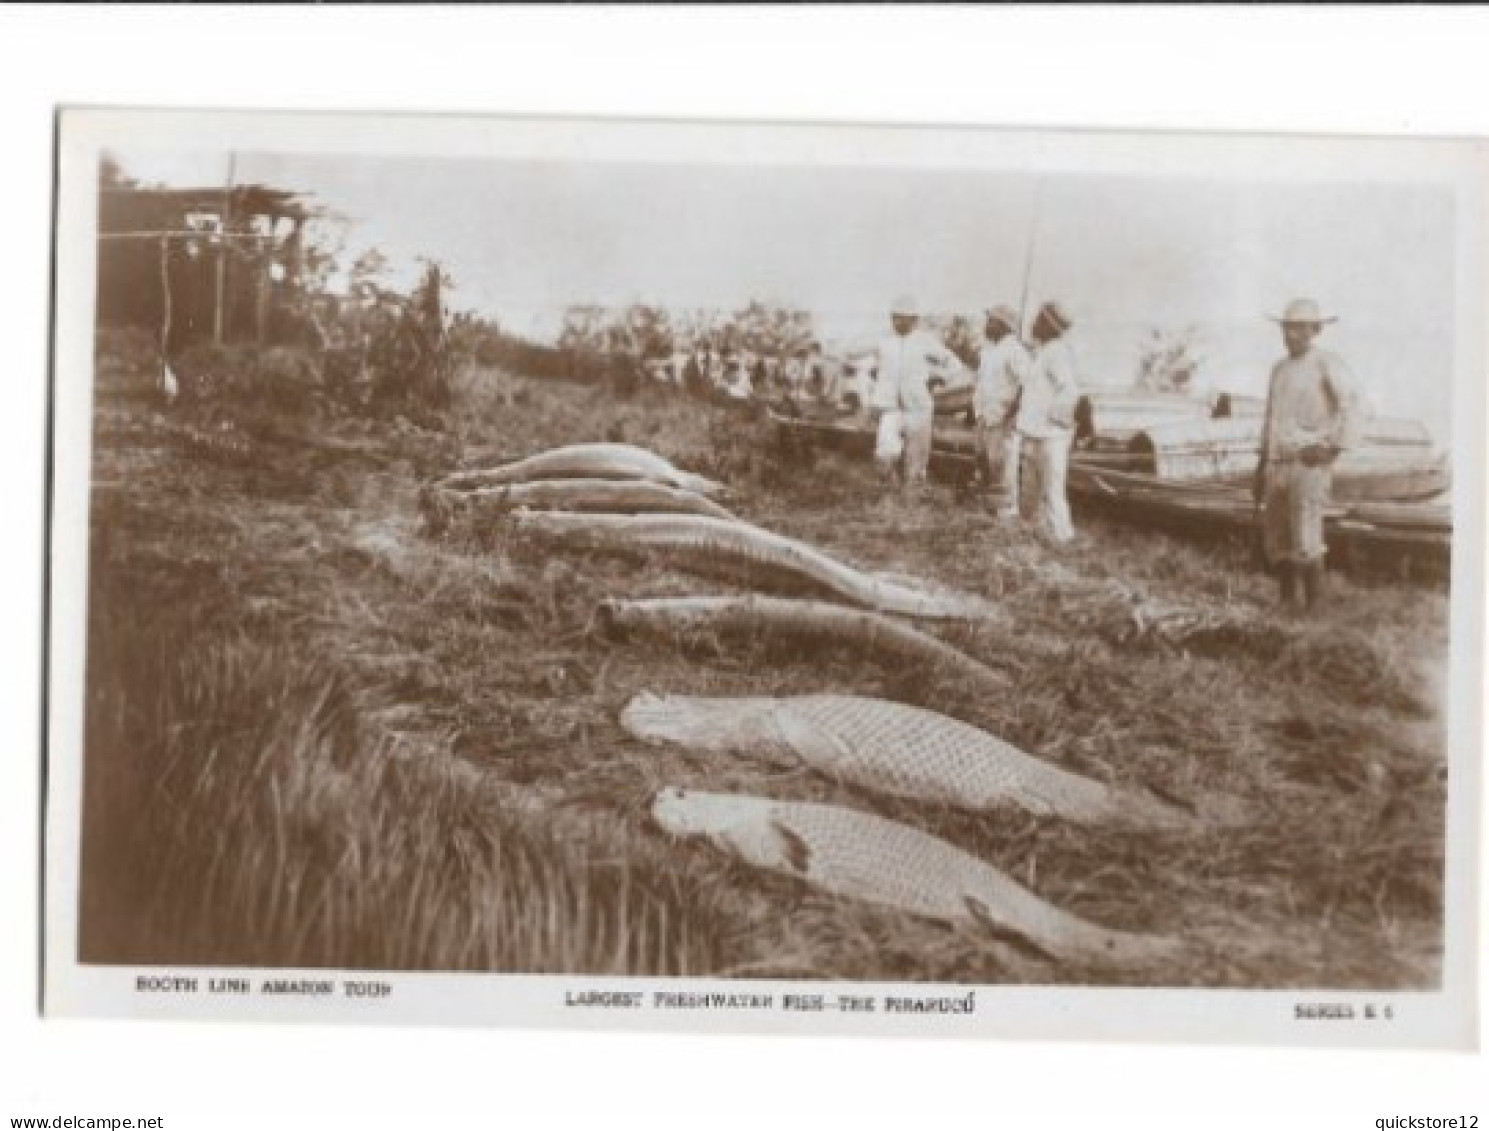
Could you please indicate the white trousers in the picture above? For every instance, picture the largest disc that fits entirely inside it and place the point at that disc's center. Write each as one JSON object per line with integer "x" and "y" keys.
{"x": 907, "y": 435}
{"x": 1051, "y": 456}
{"x": 1001, "y": 448}
{"x": 889, "y": 445}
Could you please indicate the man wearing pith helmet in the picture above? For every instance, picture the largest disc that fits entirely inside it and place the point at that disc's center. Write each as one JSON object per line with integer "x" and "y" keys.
{"x": 1046, "y": 417}
{"x": 1312, "y": 416}
{"x": 902, "y": 393}
{"x": 1001, "y": 369}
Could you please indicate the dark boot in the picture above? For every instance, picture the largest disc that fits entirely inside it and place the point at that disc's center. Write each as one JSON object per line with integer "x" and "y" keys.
{"x": 1313, "y": 583}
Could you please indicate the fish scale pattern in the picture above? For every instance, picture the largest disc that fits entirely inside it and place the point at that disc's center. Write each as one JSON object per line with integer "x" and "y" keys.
{"x": 891, "y": 748}
{"x": 917, "y": 753}
{"x": 865, "y": 857}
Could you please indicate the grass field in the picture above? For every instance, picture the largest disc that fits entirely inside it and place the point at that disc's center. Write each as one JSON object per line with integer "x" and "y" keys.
{"x": 320, "y": 733}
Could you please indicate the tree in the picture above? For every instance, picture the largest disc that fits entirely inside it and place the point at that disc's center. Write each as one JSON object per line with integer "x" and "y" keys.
{"x": 772, "y": 331}
{"x": 322, "y": 246}
{"x": 583, "y": 328}
{"x": 1169, "y": 360}
{"x": 366, "y": 275}
{"x": 111, "y": 174}
{"x": 648, "y": 331}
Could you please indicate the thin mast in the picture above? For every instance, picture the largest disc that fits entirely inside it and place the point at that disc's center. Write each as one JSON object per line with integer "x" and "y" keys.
{"x": 1029, "y": 256}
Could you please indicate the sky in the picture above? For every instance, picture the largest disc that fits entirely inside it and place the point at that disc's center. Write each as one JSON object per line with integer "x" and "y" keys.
{"x": 1124, "y": 254}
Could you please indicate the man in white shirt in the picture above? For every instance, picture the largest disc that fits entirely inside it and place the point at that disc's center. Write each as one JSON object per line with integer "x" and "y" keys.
{"x": 1001, "y": 371}
{"x": 902, "y": 393}
{"x": 1046, "y": 417}
{"x": 1313, "y": 414}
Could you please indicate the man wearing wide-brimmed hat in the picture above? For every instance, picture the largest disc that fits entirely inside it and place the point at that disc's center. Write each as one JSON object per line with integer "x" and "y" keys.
{"x": 902, "y": 393}
{"x": 1312, "y": 416}
{"x": 1046, "y": 417}
{"x": 1001, "y": 370}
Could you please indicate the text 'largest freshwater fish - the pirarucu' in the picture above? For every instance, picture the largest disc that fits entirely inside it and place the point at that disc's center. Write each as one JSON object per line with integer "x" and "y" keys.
{"x": 890, "y": 748}
{"x": 864, "y": 857}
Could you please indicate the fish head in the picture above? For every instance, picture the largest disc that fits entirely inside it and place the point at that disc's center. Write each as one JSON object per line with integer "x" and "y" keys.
{"x": 522, "y": 517}
{"x": 695, "y": 812}
{"x": 652, "y": 718}
{"x": 617, "y": 617}
{"x": 747, "y": 828}
{"x": 713, "y": 725}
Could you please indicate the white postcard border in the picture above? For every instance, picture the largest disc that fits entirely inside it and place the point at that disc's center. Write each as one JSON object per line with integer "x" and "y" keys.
{"x": 1445, "y": 1018}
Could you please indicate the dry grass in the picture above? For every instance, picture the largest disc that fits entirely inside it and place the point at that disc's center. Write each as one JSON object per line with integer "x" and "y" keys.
{"x": 413, "y": 738}
{"x": 243, "y": 808}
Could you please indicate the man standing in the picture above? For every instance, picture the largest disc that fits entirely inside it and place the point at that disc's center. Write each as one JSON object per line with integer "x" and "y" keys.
{"x": 1001, "y": 371}
{"x": 1312, "y": 416}
{"x": 902, "y": 393}
{"x": 1046, "y": 417}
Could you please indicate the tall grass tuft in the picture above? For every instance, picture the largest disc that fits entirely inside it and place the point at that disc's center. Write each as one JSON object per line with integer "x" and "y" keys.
{"x": 238, "y": 814}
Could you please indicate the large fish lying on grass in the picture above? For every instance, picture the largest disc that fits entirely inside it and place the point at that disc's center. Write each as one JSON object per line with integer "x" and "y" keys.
{"x": 890, "y": 748}
{"x": 585, "y": 461}
{"x": 864, "y": 857}
{"x": 810, "y": 621}
{"x": 609, "y": 496}
{"x": 734, "y": 548}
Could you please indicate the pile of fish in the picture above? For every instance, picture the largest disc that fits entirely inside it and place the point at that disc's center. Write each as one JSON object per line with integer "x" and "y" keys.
{"x": 627, "y": 499}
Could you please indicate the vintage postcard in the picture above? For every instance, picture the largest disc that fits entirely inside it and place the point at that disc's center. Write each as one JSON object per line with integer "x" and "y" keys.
{"x": 766, "y": 578}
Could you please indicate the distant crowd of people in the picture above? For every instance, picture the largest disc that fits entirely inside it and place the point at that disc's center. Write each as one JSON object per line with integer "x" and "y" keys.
{"x": 802, "y": 373}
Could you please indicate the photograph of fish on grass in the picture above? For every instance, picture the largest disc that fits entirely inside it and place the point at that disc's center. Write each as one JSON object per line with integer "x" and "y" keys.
{"x": 863, "y": 857}
{"x": 893, "y": 748}
{"x": 471, "y": 602}
{"x": 874, "y": 744}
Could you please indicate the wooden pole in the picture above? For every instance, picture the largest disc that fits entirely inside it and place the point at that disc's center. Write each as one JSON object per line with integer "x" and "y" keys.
{"x": 227, "y": 209}
{"x": 1029, "y": 260}
{"x": 261, "y": 266}
{"x": 167, "y": 381}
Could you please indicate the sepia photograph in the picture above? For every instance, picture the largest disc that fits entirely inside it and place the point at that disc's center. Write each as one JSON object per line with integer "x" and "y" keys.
{"x": 764, "y": 577}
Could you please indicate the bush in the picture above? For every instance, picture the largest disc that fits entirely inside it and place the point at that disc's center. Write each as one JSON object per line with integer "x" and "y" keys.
{"x": 127, "y": 361}
{"x": 277, "y": 380}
